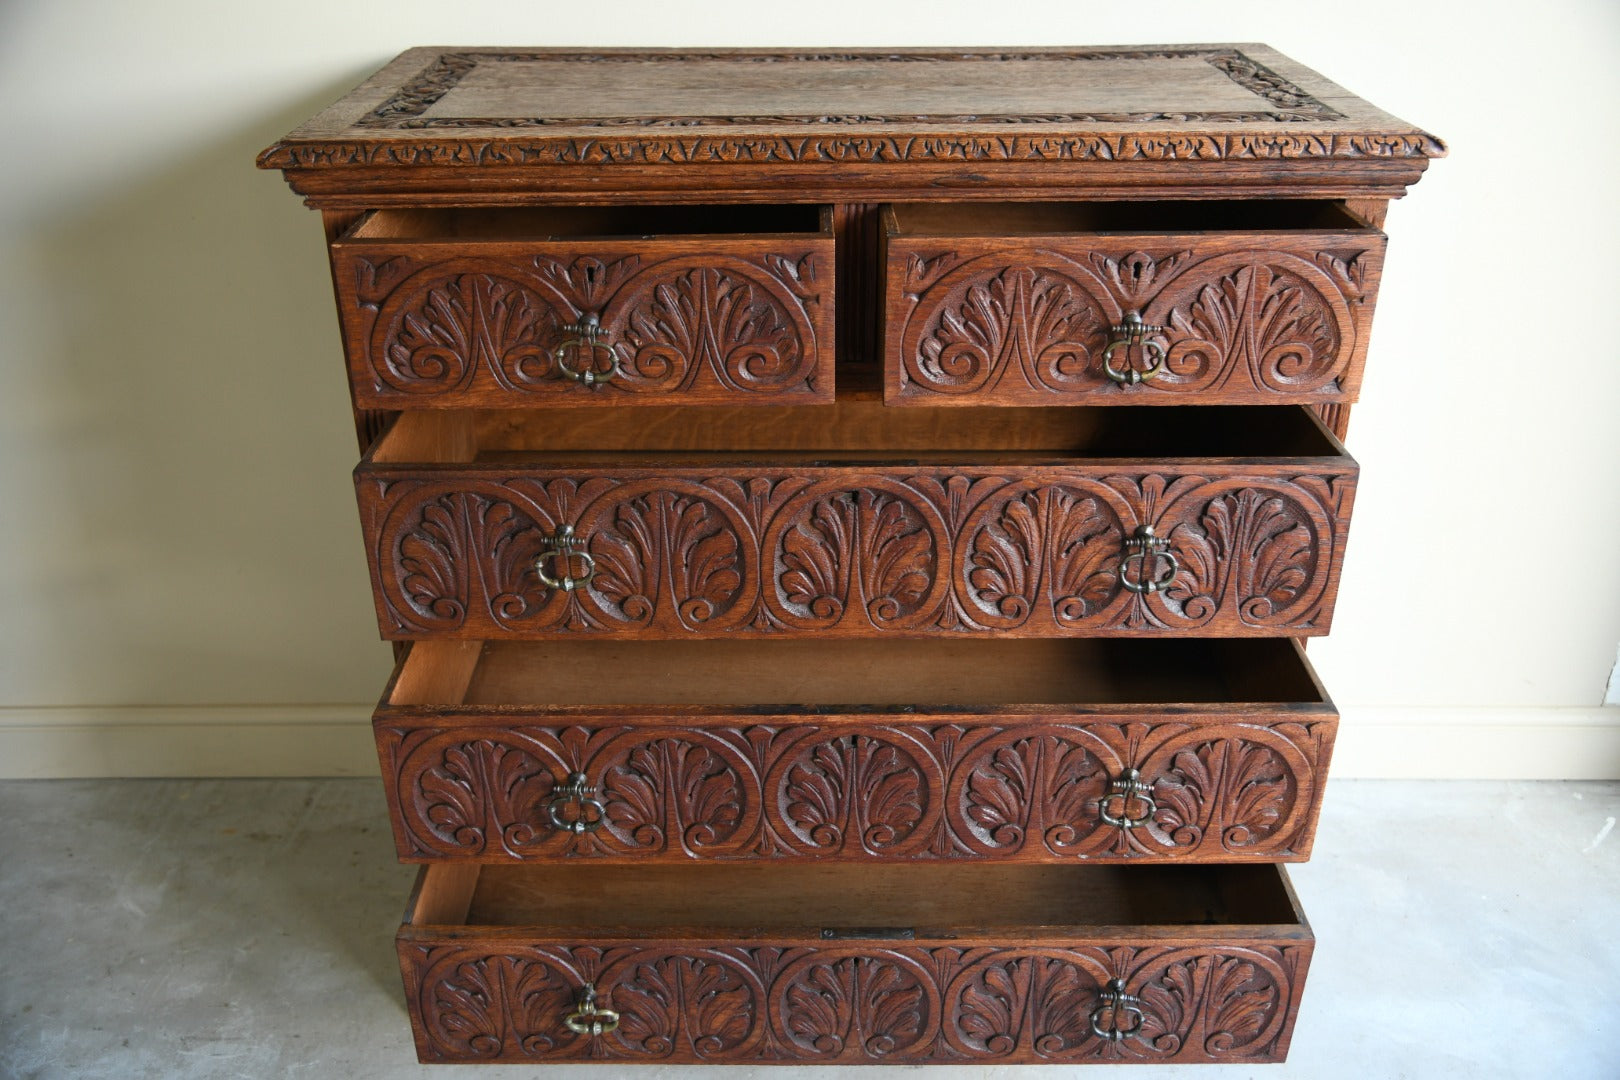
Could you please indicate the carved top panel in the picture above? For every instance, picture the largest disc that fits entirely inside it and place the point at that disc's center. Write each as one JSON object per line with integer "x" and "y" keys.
{"x": 473, "y": 107}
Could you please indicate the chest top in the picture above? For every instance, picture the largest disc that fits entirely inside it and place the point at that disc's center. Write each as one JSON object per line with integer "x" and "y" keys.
{"x": 1044, "y": 111}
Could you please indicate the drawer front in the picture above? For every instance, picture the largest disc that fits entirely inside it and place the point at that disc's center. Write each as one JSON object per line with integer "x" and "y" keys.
{"x": 1236, "y": 550}
{"x": 1232, "y": 319}
{"x": 498, "y": 324}
{"x": 800, "y": 1002}
{"x": 1036, "y": 789}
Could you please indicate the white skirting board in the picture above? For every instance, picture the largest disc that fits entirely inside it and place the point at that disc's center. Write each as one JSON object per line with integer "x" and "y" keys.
{"x": 335, "y": 740}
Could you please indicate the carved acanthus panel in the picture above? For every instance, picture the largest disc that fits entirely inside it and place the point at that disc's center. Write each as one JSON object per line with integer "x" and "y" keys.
{"x": 1032, "y": 790}
{"x": 858, "y": 552}
{"x": 469, "y": 327}
{"x": 1236, "y": 320}
{"x": 790, "y": 1002}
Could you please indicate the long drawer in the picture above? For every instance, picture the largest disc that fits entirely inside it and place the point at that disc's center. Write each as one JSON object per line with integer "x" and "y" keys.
{"x": 588, "y": 306}
{"x": 1222, "y": 522}
{"x": 1127, "y": 303}
{"x": 1035, "y": 751}
{"x": 853, "y": 965}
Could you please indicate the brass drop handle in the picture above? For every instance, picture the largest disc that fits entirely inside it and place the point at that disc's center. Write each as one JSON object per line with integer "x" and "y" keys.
{"x": 1132, "y": 332}
{"x": 579, "y": 793}
{"x": 561, "y": 553}
{"x": 1114, "y": 1002}
{"x": 1128, "y": 788}
{"x": 585, "y": 336}
{"x": 1146, "y": 547}
{"x": 587, "y": 1019}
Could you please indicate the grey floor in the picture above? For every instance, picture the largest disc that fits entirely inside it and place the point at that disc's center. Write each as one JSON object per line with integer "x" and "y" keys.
{"x": 243, "y": 928}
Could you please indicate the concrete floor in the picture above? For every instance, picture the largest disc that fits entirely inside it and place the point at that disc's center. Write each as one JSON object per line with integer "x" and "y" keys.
{"x": 243, "y": 928}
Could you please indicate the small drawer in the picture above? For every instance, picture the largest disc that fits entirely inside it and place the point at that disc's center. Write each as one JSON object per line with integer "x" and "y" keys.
{"x": 1127, "y": 303}
{"x": 1124, "y": 522}
{"x": 448, "y": 308}
{"x": 754, "y": 964}
{"x": 793, "y": 751}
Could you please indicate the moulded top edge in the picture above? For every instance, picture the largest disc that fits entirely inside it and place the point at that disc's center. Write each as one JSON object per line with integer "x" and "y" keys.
{"x": 457, "y": 106}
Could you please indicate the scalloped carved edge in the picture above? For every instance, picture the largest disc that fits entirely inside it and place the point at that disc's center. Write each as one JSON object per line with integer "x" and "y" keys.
{"x": 848, "y": 149}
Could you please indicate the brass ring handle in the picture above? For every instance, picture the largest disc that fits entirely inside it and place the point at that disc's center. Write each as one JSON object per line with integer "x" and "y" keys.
{"x": 580, "y": 793}
{"x": 1114, "y": 1001}
{"x": 1133, "y": 331}
{"x": 1128, "y": 788}
{"x": 587, "y": 1019}
{"x": 562, "y": 551}
{"x": 584, "y": 336}
{"x": 1147, "y": 547}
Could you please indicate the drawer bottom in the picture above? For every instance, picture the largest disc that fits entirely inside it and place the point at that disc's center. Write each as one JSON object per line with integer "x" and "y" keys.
{"x": 795, "y": 964}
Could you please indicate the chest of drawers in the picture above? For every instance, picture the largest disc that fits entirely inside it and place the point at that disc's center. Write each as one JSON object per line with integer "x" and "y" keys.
{"x": 850, "y": 522}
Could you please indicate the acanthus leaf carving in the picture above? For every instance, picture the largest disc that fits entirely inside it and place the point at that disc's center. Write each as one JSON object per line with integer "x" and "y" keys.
{"x": 862, "y": 1006}
{"x": 857, "y": 553}
{"x": 693, "y": 1002}
{"x": 1252, "y": 553}
{"x": 716, "y": 320}
{"x": 855, "y": 793}
{"x": 1032, "y": 320}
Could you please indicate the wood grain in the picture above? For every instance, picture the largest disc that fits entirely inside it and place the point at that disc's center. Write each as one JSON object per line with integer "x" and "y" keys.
{"x": 741, "y": 750}
{"x": 438, "y": 313}
{"x": 1018, "y": 305}
{"x": 842, "y": 665}
{"x": 736, "y": 986}
{"x": 716, "y": 549}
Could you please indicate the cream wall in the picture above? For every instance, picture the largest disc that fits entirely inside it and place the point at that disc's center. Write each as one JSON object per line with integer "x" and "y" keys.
{"x": 182, "y": 587}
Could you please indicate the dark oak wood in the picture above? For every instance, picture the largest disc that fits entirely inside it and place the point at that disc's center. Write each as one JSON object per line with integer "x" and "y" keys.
{"x": 855, "y": 125}
{"x": 832, "y": 964}
{"x": 1016, "y": 305}
{"x": 707, "y": 545}
{"x": 839, "y": 734}
{"x": 725, "y": 751}
{"x": 451, "y": 309}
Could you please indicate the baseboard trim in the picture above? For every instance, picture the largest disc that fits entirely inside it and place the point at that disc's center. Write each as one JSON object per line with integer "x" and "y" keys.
{"x": 1396, "y": 743}
{"x": 190, "y": 740}
{"x": 335, "y": 740}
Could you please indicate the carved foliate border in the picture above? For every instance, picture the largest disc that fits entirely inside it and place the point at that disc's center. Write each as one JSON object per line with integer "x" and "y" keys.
{"x": 855, "y": 552}
{"x": 406, "y": 108}
{"x": 1033, "y": 791}
{"x": 830, "y": 1004}
{"x": 633, "y": 141}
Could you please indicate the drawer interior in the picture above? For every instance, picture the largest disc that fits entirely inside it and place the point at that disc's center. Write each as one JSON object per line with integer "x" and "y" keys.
{"x": 582, "y": 222}
{"x": 829, "y": 901}
{"x": 831, "y": 675}
{"x": 858, "y": 424}
{"x": 1058, "y": 218}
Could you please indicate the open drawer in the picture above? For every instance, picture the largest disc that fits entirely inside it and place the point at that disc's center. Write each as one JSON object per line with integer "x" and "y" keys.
{"x": 1127, "y": 302}
{"x": 458, "y": 307}
{"x": 842, "y": 964}
{"x": 1055, "y": 751}
{"x": 701, "y": 522}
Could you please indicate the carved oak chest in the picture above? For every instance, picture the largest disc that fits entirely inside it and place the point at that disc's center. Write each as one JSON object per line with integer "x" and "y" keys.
{"x": 850, "y": 520}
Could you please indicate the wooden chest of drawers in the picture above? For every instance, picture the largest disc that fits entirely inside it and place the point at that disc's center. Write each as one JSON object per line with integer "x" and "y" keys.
{"x": 818, "y": 641}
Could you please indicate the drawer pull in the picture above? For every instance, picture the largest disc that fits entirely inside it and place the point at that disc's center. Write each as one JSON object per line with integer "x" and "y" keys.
{"x": 584, "y": 339}
{"x": 1128, "y": 334}
{"x": 562, "y": 554}
{"x": 1113, "y": 1001}
{"x": 1128, "y": 788}
{"x": 590, "y": 1020}
{"x": 1146, "y": 547}
{"x": 581, "y": 794}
